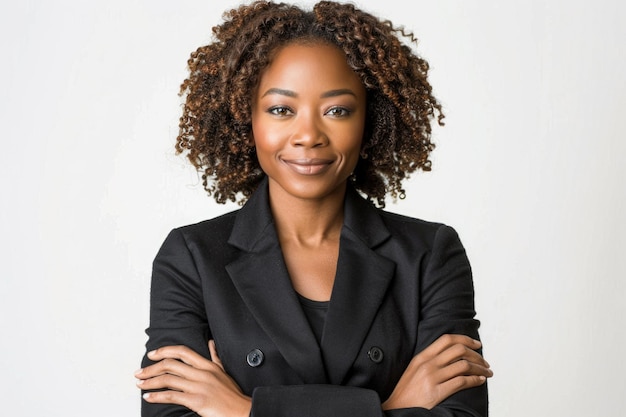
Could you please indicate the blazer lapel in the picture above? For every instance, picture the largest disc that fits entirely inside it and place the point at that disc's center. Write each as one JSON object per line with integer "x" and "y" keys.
{"x": 262, "y": 280}
{"x": 360, "y": 285}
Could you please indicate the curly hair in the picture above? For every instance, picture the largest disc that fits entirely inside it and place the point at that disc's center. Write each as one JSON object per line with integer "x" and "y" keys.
{"x": 216, "y": 129}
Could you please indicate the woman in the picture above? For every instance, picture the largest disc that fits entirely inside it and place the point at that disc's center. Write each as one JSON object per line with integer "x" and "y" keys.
{"x": 309, "y": 301}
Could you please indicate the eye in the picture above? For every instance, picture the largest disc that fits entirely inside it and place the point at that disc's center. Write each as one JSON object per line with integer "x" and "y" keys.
{"x": 338, "y": 112}
{"x": 280, "y": 111}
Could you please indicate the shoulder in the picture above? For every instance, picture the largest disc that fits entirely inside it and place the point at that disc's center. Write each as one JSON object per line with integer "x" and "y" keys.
{"x": 401, "y": 225}
{"x": 402, "y": 222}
{"x": 236, "y": 229}
{"x": 205, "y": 236}
{"x": 418, "y": 234}
{"x": 215, "y": 227}
{"x": 377, "y": 226}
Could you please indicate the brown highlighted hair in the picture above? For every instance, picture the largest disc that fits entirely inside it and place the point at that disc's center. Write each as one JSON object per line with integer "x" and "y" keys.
{"x": 215, "y": 127}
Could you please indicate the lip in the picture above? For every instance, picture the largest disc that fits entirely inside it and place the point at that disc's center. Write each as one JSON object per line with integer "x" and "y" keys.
{"x": 306, "y": 166}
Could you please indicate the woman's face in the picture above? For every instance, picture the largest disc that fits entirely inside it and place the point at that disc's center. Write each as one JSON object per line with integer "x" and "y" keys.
{"x": 308, "y": 117}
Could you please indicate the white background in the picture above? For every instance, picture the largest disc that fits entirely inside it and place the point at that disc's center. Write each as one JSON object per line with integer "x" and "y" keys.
{"x": 528, "y": 169}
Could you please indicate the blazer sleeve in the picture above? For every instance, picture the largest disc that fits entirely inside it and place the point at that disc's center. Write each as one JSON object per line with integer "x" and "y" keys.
{"x": 177, "y": 314}
{"x": 446, "y": 306}
{"x": 177, "y": 317}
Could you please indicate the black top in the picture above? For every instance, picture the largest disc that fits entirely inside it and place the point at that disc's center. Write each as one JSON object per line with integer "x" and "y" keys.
{"x": 400, "y": 284}
{"x": 315, "y": 312}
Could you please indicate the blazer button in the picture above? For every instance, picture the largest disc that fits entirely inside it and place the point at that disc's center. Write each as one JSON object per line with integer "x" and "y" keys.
{"x": 375, "y": 354}
{"x": 255, "y": 358}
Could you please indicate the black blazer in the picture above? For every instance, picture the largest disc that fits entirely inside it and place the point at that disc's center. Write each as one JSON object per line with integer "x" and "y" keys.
{"x": 400, "y": 284}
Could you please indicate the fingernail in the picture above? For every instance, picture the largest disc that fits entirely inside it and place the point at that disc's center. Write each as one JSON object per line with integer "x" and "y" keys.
{"x": 146, "y": 396}
{"x": 140, "y": 381}
{"x": 482, "y": 379}
{"x": 138, "y": 371}
{"x": 151, "y": 353}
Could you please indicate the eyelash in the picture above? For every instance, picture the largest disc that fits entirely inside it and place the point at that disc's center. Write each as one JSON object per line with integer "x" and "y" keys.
{"x": 279, "y": 110}
{"x": 283, "y": 110}
{"x": 344, "y": 112}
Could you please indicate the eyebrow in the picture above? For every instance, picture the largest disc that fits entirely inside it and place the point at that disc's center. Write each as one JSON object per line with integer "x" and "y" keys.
{"x": 326, "y": 94}
{"x": 281, "y": 92}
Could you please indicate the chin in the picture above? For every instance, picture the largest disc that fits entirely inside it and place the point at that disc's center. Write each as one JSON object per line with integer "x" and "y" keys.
{"x": 309, "y": 190}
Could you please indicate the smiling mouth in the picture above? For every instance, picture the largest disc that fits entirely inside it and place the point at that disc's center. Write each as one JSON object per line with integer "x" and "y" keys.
{"x": 308, "y": 166}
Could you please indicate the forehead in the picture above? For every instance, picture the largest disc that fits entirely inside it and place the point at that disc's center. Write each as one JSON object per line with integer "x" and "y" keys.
{"x": 305, "y": 66}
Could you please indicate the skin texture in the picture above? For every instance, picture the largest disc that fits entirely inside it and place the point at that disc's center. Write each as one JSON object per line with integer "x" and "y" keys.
{"x": 194, "y": 382}
{"x": 308, "y": 135}
{"x": 297, "y": 122}
{"x": 216, "y": 124}
{"x": 308, "y": 120}
{"x": 447, "y": 366}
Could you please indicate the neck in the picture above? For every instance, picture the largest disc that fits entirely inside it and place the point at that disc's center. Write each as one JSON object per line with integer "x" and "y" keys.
{"x": 309, "y": 222}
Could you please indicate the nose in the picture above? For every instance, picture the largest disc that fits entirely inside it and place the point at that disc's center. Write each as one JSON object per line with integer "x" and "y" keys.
{"x": 309, "y": 131}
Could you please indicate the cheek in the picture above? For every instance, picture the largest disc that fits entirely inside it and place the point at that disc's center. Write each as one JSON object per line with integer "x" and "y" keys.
{"x": 354, "y": 139}
{"x": 353, "y": 158}
{"x": 264, "y": 143}
{"x": 263, "y": 135}
{"x": 264, "y": 146}
{"x": 351, "y": 154}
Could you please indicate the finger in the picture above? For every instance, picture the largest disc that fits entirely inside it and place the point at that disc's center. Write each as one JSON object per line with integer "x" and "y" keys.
{"x": 171, "y": 397}
{"x": 463, "y": 368}
{"x": 182, "y": 353}
{"x": 447, "y": 340}
{"x": 459, "y": 383}
{"x": 168, "y": 381}
{"x": 443, "y": 343}
{"x": 214, "y": 357}
{"x": 460, "y": 352}
{"x": 165, "y": 366}
{"x": 172, "y": 367}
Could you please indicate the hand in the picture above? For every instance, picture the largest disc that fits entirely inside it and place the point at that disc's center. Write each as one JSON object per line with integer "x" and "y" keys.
{"x": 192, "y": 381}
{"x": 450, "y": 364}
